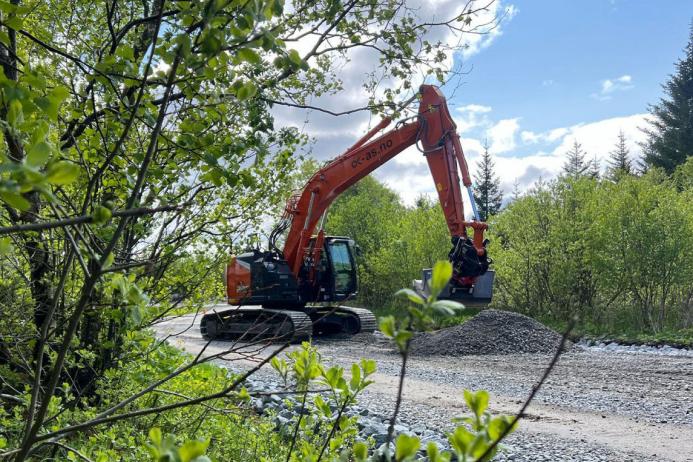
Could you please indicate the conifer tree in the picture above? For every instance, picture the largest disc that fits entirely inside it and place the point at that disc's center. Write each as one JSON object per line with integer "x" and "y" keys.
{"x": 516, "y": 190}
{"x": 487, "y": 192}
{"x": 595, "y": 168}
{"x": 619, "y": 159}
{"x": 670, "y": 138}
{"x": 576, "y": 166}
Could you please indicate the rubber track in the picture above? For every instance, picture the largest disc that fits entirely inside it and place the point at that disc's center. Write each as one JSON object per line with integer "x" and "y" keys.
{"x": 301, "y": 322}
{"x": 367, "y": 319}
{"x": 303, "y": 326}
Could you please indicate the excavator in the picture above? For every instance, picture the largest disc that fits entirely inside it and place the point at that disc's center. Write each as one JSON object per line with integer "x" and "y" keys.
{"x": 293, "y": 292}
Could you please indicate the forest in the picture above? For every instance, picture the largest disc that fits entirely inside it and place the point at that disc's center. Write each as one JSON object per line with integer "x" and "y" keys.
{"x": 140, "y": 149}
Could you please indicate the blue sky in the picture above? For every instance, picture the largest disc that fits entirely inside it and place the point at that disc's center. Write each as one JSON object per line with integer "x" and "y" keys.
{"x": 550, "y": 62}
{"x": 551, "y": 73}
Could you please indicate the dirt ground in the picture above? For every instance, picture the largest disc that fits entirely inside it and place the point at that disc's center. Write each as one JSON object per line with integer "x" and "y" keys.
{"x": 596, "y": 405}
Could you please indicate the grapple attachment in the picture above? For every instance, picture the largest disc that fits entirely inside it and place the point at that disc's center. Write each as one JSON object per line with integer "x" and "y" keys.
{"x": 477, "y": 295}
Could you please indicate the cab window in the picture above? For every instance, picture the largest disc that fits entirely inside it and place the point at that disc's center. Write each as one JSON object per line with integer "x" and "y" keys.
{"x": 342, "y": 267}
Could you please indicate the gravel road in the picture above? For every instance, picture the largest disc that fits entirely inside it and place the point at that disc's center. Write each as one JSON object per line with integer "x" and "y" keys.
{"x": 598, "y": 405}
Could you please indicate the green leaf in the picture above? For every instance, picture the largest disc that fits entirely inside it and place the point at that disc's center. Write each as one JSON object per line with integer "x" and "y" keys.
{"x": 155, "y": 436}
{"x": 247, "y": 90}
{"x": 402, "y": 338}
{"x": 248, "y": 55}
{"x": 295, "y": 58}
{"x": 101, "y": 214}
{"x": 15, "y": 200}
{"x": 461, "y": 440}
{"x": 192, "y": 449}
{"x": 406, "y": 447}
{"x": 442, "y": 272}
{"x": 477, "y": 402}
{"x": 109, "y": 261}
{"x": 13, "y": 22}
{"x": 39, "y": 154}
{"x": 62, "y": 173}
{"x": 15, "y": 114}
{"x": 5, "y": 245}
{"x": 411, "y": 295}
{"x": 360, "y": 451}
{"x": 446, "y": 307}
{"x": 387, "y": 326}
{"x": 355, "y": 377}
{"x": 368, "y": 366}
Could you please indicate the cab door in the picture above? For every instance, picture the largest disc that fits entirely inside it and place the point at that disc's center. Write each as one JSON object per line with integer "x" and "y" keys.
{"x": 343, "y": 268}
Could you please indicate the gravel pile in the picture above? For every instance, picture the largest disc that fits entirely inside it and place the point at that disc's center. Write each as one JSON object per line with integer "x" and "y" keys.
{"x": 491, "y": 332}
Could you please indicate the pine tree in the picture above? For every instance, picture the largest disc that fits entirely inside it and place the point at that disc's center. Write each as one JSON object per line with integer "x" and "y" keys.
{"x": 619, "y": 159}
{"x": 595, "y": 168}
{"x": 487, "y": 193}
{"x": 670, "y": 139}
{"x": 516, "y": 190}
{"x": 576, "y": 166}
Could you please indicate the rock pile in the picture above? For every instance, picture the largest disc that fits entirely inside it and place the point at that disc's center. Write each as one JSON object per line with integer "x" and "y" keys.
{"x": 285, "y": 409}
{"x": 491, "y": 332}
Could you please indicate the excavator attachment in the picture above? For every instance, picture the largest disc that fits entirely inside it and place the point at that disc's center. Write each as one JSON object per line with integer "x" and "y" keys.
{"x": 478, "y": 295}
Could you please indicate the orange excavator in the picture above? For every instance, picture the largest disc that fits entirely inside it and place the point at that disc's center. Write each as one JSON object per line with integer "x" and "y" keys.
{"x": 294, "y": 292}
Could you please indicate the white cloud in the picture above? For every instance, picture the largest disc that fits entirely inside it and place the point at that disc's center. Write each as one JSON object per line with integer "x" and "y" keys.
{"x": 471, "y": 116}
{"x": 408, "y": 174}
{"x": 501, "y": 135}
{"x": 529, "y": 137}
{"x": 610, "y": 86}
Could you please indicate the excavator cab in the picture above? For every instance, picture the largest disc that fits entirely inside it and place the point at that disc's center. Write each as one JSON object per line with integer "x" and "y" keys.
{"x": 342, "y": 267}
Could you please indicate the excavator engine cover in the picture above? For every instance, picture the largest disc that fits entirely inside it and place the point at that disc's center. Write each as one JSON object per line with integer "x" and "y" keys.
{"x": 260, "y": 278}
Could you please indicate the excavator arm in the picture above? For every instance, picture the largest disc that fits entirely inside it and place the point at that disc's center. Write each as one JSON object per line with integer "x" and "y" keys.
{"x": 435, "y": 131}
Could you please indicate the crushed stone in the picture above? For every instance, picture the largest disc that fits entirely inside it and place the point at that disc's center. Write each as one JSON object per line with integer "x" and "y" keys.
{"x": 491, "y": 332}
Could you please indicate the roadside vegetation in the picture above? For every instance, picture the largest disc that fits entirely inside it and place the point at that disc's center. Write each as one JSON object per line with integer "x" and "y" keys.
{"x": 617, "y": 253}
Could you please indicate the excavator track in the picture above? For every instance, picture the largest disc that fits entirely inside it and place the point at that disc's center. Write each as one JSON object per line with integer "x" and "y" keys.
{"x": 342, "y": 319}
{"x": 251, "y": 324}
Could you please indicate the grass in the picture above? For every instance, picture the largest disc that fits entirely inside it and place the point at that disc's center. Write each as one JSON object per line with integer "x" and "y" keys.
{"x": 682, "y": 338}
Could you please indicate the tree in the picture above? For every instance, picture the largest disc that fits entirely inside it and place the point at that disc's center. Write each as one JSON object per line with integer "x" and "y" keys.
{"x": 670, "y": 137}
{"x": 147, "y": 135}
{"x": 516, "y": 194}
{"x": 487, "y": 192}
{"x": 619, "y": 159}
{"x": 595, "y": 168}
{"x": 576, "y": 166}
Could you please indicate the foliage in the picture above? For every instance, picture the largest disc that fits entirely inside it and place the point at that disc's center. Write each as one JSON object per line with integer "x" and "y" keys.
{"x": 322, "y": 430}
{"x": 229, "y": 426}
{"x": 616, "y": 254}
{"x": 396, "y": 242}
{"x": 670, "y": 139}
{"x": 487, "y": 192}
